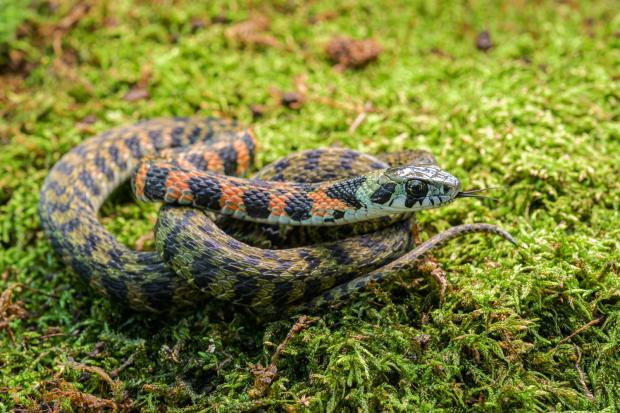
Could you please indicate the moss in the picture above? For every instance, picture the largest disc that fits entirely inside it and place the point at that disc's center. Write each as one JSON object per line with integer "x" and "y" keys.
{"x": 537, "y": 115}
{"x": 12, "y": 16}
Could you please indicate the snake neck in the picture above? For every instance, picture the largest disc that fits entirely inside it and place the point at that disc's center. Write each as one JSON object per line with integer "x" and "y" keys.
{"x": 326, "y": 203}
{"x": 338, "y": 202}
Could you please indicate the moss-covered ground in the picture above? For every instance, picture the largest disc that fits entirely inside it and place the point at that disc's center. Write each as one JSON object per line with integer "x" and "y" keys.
{"x": 537, "y": 115}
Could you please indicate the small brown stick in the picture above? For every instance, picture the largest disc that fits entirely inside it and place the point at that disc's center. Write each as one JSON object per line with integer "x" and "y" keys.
{"x": 77, "y": 13}
{"x": 37, "y": 290}
{"x": 92, "y": 369}
{"x": 582, "y": 377}
{"x": 347, "y": 107}
{"x": 357, "y": 122}
{"x": 127, "y": 363}
{"x": 264, "y": 376}
{"x": 361, "y": 117}
{"x": 116, "y": 386}
{"x": 302, "y": 323}
{"x": 46, "y": 336}
{"x": 581, "y": 329}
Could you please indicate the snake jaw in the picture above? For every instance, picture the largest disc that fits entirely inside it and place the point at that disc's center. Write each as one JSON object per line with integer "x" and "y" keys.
{"x": 403, "y": 203}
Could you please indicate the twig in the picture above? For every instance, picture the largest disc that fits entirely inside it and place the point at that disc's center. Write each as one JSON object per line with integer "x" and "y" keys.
{"x": 357, "y": 122}
{"x": 77, "y": 13}
{"x": 127, "y": 363}
{"x": 302, "y": 323}
{"x": 582, "y": 377}
{"x": 264, "y": 376}
{"x": 92, "y": 369}
{"x": 37, "y": 290}
{"x": 361, "y": 117}
{"x": 46, "y": 336}
{"x": 342, "y": 106}
{"x": 581, "y": 329}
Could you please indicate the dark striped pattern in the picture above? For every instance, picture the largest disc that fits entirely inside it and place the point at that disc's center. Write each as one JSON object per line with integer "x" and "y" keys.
{"x": 345, "y": 191}
{"x": 207, "y": 192}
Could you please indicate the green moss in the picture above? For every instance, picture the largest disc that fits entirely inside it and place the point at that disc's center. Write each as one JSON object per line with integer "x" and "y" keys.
{"x": 13, "y": 13}
{"x": 538, "y": 115}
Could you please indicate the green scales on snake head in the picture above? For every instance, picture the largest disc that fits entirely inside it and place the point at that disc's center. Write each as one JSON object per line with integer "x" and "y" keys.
{"x": 361, "y": 205}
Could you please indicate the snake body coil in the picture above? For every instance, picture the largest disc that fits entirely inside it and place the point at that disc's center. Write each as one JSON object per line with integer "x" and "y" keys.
{"x": 195, "y": 257}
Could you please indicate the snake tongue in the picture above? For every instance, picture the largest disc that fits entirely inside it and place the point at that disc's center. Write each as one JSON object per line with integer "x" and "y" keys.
{"x": 474, "y": 193}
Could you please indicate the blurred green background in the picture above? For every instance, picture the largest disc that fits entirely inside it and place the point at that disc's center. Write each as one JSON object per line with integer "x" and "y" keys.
{"x": 532, "y": 106}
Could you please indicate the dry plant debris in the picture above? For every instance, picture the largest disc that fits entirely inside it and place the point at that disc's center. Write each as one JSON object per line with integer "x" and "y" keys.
{"x": 10, "y": 310}
{"x": 264, "y": 376}
{"x": 57, "y": 391}
{"x": 253, "y": 32}
{"x": 349, "y": 53}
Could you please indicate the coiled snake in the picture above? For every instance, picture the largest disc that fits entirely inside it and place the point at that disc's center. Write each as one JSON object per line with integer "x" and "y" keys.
{"x": 193, "y": 163}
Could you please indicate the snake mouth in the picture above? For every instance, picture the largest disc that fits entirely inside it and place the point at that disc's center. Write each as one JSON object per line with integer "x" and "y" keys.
{"x": 475, "y": 193}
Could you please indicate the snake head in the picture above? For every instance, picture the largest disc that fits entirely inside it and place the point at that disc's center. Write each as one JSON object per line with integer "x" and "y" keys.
{"x": 415, "y": 187}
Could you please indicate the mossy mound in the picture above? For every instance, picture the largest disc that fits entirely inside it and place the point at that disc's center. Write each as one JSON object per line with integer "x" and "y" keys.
{"x": 533, "y": 107}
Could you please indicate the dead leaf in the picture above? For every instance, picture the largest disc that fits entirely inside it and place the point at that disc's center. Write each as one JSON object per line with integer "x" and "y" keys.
{"x": 253, "y": 32}
{"x": 351, "y": 53}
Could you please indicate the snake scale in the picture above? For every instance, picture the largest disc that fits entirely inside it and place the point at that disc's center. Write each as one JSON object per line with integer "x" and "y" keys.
{"x": 334, "y": 219}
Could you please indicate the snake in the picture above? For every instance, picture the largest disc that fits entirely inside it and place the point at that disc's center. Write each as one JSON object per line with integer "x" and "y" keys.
{"x": 309, "y": 230}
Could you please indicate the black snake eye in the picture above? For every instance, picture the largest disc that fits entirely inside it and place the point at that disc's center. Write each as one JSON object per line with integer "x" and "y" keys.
{"x": 417, "y": 189}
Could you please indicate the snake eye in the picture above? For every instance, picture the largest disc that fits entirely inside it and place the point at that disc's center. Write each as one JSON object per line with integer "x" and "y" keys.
{"x": 416, "y": 188}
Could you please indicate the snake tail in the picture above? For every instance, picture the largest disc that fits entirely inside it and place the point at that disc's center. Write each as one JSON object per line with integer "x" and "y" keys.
{"x": 407, "y": 262}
